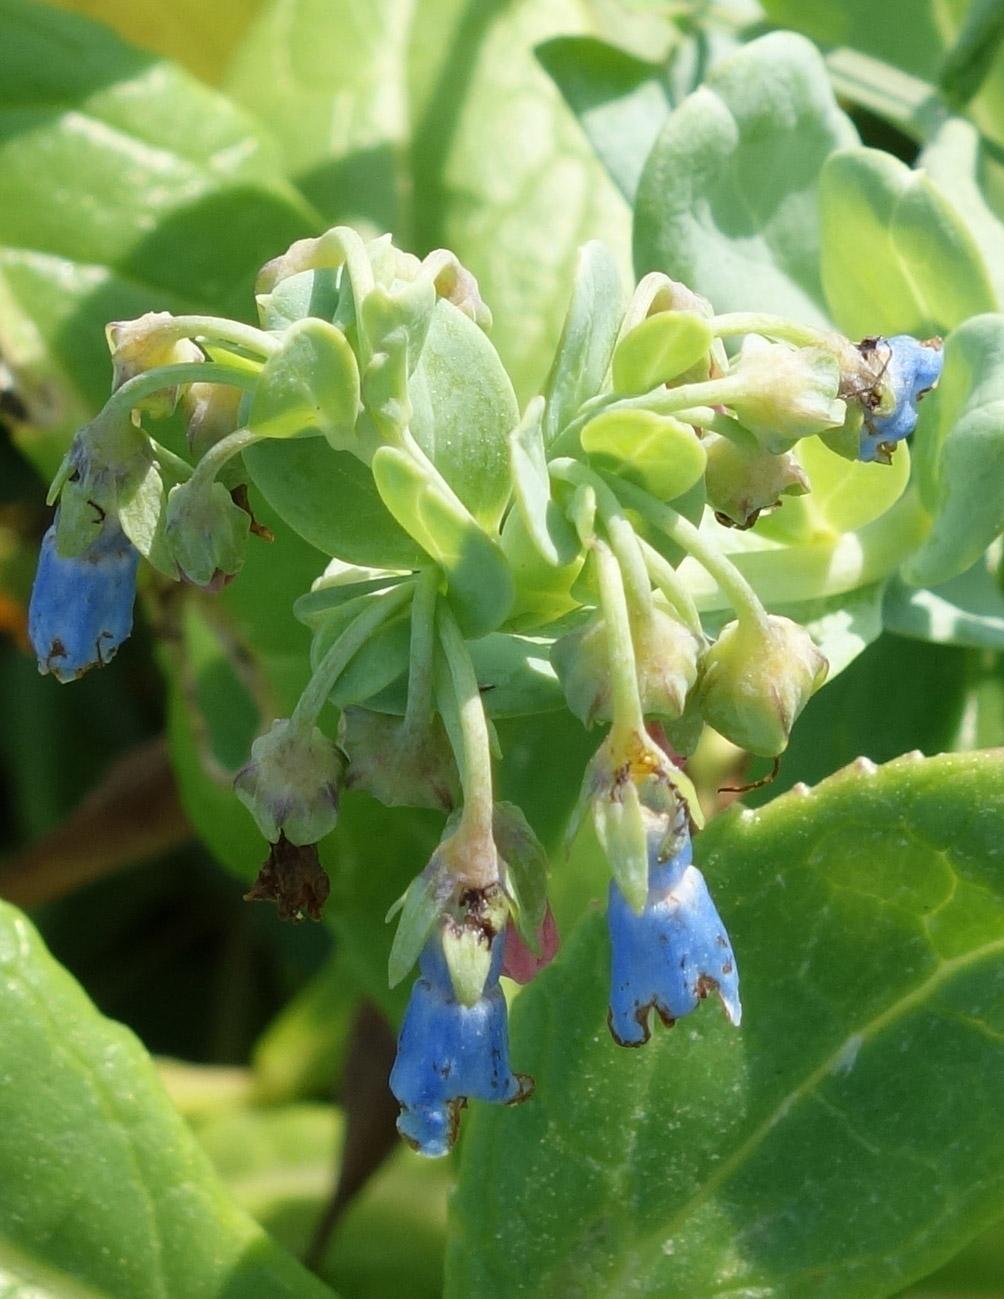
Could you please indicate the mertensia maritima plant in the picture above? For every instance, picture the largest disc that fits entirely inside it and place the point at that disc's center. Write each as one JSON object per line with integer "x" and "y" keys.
{"x": 487, "y": 563}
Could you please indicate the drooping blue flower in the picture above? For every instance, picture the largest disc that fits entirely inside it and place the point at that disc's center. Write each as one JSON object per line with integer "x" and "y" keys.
{"x": 911, "y": 369}
{"x": 670, "y": 955}
{"x": 449, "y": 1053}
{"x": 81, "y": 606}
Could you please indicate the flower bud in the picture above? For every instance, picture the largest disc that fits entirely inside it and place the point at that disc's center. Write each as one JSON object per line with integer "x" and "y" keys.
{"x": 291, "y": 784}
{"x": 781, "y": 393}
{"x": 207, "y": 532}
{"x": 457, "y": 285}
{"x": 81, "y": 605}
{"x": 665, "y": 657}
{"x": 397, "y": 764}
{"x": 741, "y": 480}
{"x": 144, "y": 344}
{"x": 756, "y": 679}
{"x": 211, "y": 411}
{"x": 521, "y": 963}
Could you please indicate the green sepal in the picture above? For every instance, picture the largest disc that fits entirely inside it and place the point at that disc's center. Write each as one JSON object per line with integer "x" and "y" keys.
{"x": 142, "y": 509}
{"x": 480, "y": 586}
{"x": 620, "y": 828}
{"x": 308, "y": 293}
{"x": 310, "y": 385}
{"x": 546, "y": 525}
{"x": 661, "y": 349}
{"x": 206, "y": 530}
{"x": 526, "y": 868}
{"x": 658, "y": 452}
{"x": 587, "y": 338}
{"x": 422, "y": 904}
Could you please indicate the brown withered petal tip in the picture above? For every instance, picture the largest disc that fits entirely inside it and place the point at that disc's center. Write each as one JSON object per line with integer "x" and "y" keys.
{"x": 292, "y": 877}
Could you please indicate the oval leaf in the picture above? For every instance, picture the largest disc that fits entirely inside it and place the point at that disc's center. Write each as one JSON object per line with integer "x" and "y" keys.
{"x": 655, "y": 451}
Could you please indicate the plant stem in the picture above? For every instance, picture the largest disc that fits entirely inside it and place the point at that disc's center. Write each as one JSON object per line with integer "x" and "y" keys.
{"x": 220, "y": 452}
{"x": 218, "y": 329}
{"x": 420, "y": 706}
{"x": 123, "y": 399}
{"x": 628, "y": 719}
{"x": 669, "y": 582}
{"x": 475, "y": 758}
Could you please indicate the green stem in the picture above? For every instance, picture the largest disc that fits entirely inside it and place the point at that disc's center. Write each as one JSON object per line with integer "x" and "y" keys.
{"x": 628, "y": 719}
{"x": 123, "y": 399}
{"x": 671, "y": 584}
{"x": 337, "y": 658}
{"x": 220, "y": 452}
{"x": 420, "y": 706}
{"x": 760, "y": 322}
{"x": 217, "y": 329}
{"x": 740, "y": 594}
{"x": 475, "y": 758}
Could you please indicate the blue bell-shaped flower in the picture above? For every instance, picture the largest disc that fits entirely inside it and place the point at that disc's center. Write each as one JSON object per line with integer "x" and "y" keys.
{"x": 670, "y": 955}
{"x": 81, "y": 605}
{"x": 911, "y": 368}
{"x": 449, "y": 1053}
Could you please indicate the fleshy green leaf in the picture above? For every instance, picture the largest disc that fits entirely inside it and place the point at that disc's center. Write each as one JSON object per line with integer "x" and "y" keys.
{"x": 659, "y": 349}
{"x": 546, "y": 525}
{"x": 587, "y": 338}
{"x": 727, "y": 202}
{"x": 896, "y": 256}
{"x": 959, "y": 453}
{"x": 867, "y": 918}
{"x": 174, "y": 164}
{"x": 905, "y": 33}
{"x": 106, "y": 1192}
{"x": 309, "y": 385}
{"x": 480, "y": 584}
{"x": 657, "y": 452}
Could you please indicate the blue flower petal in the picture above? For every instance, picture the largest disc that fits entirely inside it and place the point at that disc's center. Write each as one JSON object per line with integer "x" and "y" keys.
{"x": 449, "y": 1053}
{"x": 671, "y": 955}
{"x": 81, "y": 606}
{"x": 912, "y": 368}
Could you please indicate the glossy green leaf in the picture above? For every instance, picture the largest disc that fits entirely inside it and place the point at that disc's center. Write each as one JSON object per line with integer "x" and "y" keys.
{"x": 657, "y": 452}
{"x": 328, "y": 80}
{"x": 848, "y": 494}
{"x": 959, "y": 451}
{"x": 174, "y": 164}
{"x": 310, "y": 384}
{"x": 896, "y": 256}
{"x": 480, "y": 584}
{"x": 587, "y": 340}
{"x": 727, "y": 202}
{"x": 621, "y": 101}
{"x": 106, "y": 1192}
{"x": 867, "y": 916}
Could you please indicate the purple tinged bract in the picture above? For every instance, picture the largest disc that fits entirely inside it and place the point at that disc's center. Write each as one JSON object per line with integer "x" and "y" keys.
{"x": 449, "y": 1053}
{"x": 670, "y": 955}
{"x": 81, "y": 605}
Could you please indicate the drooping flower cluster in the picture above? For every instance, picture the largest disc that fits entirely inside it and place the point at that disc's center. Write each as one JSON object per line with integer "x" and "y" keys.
{"x": 483, "y": 565}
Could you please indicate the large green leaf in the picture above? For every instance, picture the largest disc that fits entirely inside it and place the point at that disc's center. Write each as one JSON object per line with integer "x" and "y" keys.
{"x": 905, "y": 33}
{"x": 328, "y": 79}
{"x": 846, "y": 1141}
{"x": 728, "y": 198}
{"x": 120, "y": 172}
{"x": 896, "y": 255}
{"x": 501, "y": 171}
{"x": 105, "y": 1191}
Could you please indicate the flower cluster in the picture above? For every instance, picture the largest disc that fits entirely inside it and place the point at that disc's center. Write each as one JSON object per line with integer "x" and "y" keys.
{"x": 484, "y": 564}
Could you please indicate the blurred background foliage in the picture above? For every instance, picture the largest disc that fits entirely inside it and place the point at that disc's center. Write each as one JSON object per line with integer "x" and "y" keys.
{"x": 153, "y": 155}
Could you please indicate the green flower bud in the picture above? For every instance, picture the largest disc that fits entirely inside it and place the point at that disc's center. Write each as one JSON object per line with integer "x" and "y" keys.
{"x": 400, "y": 766}
{"x": 207, "y": 532}
{"x": 756, "y": 679}
{"x": 666, "y": 662}
{"x": 211, "y": 411}
{"x": 783, "y": 393}
{"x": 144, "y": 344}
{"x": 291, "y": 784}
{"x": 742, "y": 480}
